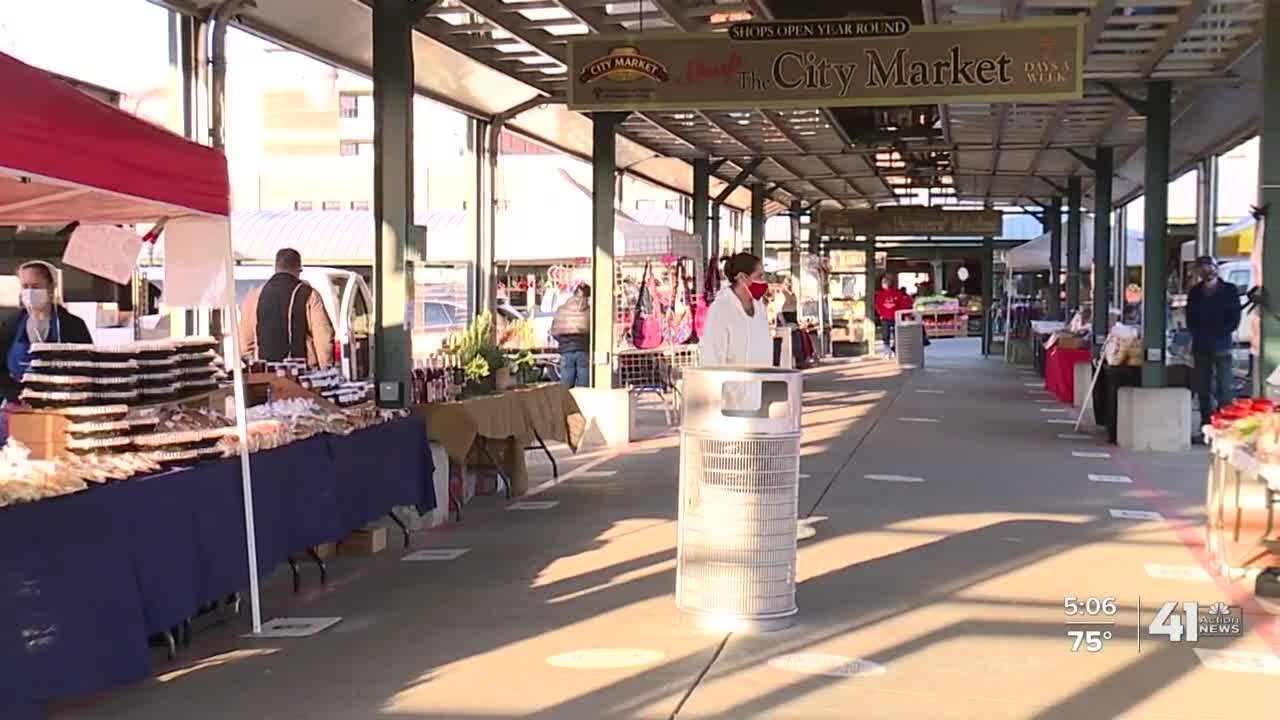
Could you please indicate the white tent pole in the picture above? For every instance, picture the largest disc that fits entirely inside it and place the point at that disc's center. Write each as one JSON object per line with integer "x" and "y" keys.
{"x": 242, "y": 431}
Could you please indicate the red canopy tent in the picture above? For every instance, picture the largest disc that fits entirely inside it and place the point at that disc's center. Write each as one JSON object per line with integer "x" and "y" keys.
{"x": 65, "y": 156}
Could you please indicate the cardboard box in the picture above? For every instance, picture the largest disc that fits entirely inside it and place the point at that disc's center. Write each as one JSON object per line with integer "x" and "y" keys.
{"x": 45, "y": 433}
{"x": 327, "y": 551}
{"x": 367, "y": 541}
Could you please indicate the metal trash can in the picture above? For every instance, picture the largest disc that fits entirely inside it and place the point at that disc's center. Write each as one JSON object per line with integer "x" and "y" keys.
{"x": 739, "y": 488}
{"x": 909, "y": 339}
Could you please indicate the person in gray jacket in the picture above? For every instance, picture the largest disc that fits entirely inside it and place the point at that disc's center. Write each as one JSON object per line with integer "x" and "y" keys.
{"x": 571, "y": 327}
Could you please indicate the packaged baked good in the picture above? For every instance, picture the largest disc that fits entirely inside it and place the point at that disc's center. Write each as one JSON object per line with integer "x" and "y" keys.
{"x": 57, "y": 383}
{"x": 91, "y": 445}
{"x": 95, "y": 413}
{"x": 93, "y": 429}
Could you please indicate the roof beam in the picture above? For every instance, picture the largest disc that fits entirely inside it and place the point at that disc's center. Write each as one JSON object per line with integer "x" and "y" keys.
{"x": 777, "y": 123}
{"x": 734, "y": 136}
{"x": 1187, "y": 17}
{"x": 737, "y": 180}
{"x": 1098, "y": 17}
{"x": 671, "y": 10}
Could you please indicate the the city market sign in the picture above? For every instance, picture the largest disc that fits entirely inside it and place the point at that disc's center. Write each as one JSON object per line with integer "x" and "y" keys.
{"x": 907, "y": 221}
{"x": 808, "y": 64}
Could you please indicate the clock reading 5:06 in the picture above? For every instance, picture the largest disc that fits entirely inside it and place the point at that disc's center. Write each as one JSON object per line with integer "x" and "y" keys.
{"x": 1091, "y": 606}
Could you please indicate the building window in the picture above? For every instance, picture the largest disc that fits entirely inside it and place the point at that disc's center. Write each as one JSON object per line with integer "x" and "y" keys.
{"x": 303, "y": 205}
{"x": 348, "y": 148}
{"x": 359, "y": 204}
{"x": 331, "y": 205}
{"x": 675, "y": 205}
{"x": 348, "y": 105}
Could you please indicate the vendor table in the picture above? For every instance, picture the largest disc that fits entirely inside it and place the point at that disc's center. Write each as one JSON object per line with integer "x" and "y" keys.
{"x": 88, "y": 577}
{"x": 1241, "y": 505}
{"x": 1059, "y": 371}
{"x": 501, "y": 426}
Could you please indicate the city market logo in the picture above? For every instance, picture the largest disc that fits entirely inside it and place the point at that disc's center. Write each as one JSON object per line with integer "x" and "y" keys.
{"x": 624, "y": 65}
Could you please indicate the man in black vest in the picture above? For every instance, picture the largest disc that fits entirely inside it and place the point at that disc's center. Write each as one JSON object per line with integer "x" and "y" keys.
{"x": 286, "y": 318}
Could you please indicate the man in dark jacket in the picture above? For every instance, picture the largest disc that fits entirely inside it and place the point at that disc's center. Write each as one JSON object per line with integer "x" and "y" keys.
{"x": 1213, "y": 314}
{"x": 571, "y": 327}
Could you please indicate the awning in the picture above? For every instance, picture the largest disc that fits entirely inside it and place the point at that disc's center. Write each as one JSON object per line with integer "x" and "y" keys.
{"x": 67, "y": 156}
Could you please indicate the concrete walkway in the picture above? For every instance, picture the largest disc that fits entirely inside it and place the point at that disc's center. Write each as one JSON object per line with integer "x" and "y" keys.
{"x": 939, "y": 588}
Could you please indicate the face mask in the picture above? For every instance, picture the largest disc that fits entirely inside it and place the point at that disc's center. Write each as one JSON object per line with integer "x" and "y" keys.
{"x": 35, "y": 298}
{"x": 758, "y": 289}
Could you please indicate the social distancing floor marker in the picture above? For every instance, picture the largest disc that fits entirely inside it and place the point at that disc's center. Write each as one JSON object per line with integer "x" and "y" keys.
{"x": 597, "y": 473}
{"x": 1060, "y": 421}
{"x": 918, "y": 420}
{"x": 1044, "y": 402}
{"x": 1074, "y": 436}
{"x": 435, "y": 554}
{"x": 1187, "y": 573}
{"x": 895, "y": 478}
{"x": 1135, "y": 515}
{"x": 936, "y": 370}
{"x": 1241, "y": 661}
{"x": 1033, "y": 385}
{"x": 836, "y": 666}
{"x": 605, "y": 658}
{"x": 1053, "y": 410}
{"x": 805, "y": 476}
{"x": 533, "y": 505}
{"x": 1094, "y": 454}
{"x": 929, "y": 391}
{"x": 1119, "y": 479}
{"x": 1040, "y": 392}
{"x": 294, "y": 627}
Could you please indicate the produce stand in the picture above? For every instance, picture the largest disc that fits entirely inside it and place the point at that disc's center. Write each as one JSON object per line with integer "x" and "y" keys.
{"x": 496, "y": 429}
{"x": 942, "y": 317}
{"x": 123, "y": 561}
{"x": 1242, "y": 494}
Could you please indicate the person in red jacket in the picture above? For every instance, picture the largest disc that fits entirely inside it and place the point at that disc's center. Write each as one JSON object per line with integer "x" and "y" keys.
{"x": 889, "y": 300}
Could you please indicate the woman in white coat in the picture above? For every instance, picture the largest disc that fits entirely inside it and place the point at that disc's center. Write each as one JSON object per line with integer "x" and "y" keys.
{"x": 736, "y": 332}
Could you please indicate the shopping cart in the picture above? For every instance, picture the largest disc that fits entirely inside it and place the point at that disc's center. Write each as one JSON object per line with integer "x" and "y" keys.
{"x": 656, "y": 372}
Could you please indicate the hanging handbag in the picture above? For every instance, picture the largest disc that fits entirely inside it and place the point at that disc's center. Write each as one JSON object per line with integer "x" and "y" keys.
{"x": 680, "y": 327}
{"x": 646, "y": 328}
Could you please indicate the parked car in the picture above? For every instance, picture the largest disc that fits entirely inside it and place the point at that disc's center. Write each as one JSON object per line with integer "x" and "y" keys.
{"x": 346, "y": 297}
{"x": 435, "y": 323}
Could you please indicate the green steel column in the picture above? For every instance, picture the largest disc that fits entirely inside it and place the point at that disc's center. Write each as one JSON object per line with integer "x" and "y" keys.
{"x": 869, "y": 302}
{"x": 604, "y": 166}
{"x": 713, "y": 249}
{"x": 1121, "y": 270}
{"x": 795, "y": 245}
{"x": 394, "y": 254}
{"x": 1269, "y": 196}
{"x": 1155, "y": 269}
{"x": 1103, "y": 165}
{"x": 757, "y": 219}
{"x": 1053, "y": 222}
{"x": 988, "y": 290}
{"x": 1073, "y": 244}
{"x": 701, "y": 200}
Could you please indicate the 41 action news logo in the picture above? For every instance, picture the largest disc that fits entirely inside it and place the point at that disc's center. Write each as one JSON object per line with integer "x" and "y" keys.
{"x": 1188, "y": 621}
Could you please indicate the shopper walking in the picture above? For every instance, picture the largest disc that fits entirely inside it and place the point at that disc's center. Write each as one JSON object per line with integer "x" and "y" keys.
{"x": 571, "y": 327}
{"x": 286, "y": 318}
{"x": 889, "y": 300}
{"x": 737, "y": 326}
{"x": 1213, "y": 314}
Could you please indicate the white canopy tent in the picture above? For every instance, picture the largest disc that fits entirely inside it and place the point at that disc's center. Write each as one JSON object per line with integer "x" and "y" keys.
{"x": 1034, "y": 254}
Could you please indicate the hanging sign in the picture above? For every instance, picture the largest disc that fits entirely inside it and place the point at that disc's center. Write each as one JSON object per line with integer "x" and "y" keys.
{"x": 103, "y": 250}
{"x": 909, "y": 221}
{"x": 827, "y": 63}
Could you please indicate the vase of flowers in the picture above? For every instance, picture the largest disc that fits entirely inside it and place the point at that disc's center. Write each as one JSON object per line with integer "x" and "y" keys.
{"x": 480, "y": 356}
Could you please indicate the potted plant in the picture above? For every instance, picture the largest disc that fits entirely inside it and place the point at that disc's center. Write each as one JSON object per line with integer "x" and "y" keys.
{"x": 526, "y": 367}
{"x": 483, "y": 362}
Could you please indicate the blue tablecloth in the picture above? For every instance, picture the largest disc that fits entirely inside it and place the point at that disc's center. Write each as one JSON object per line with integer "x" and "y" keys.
{"x": 86, "y": 578}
